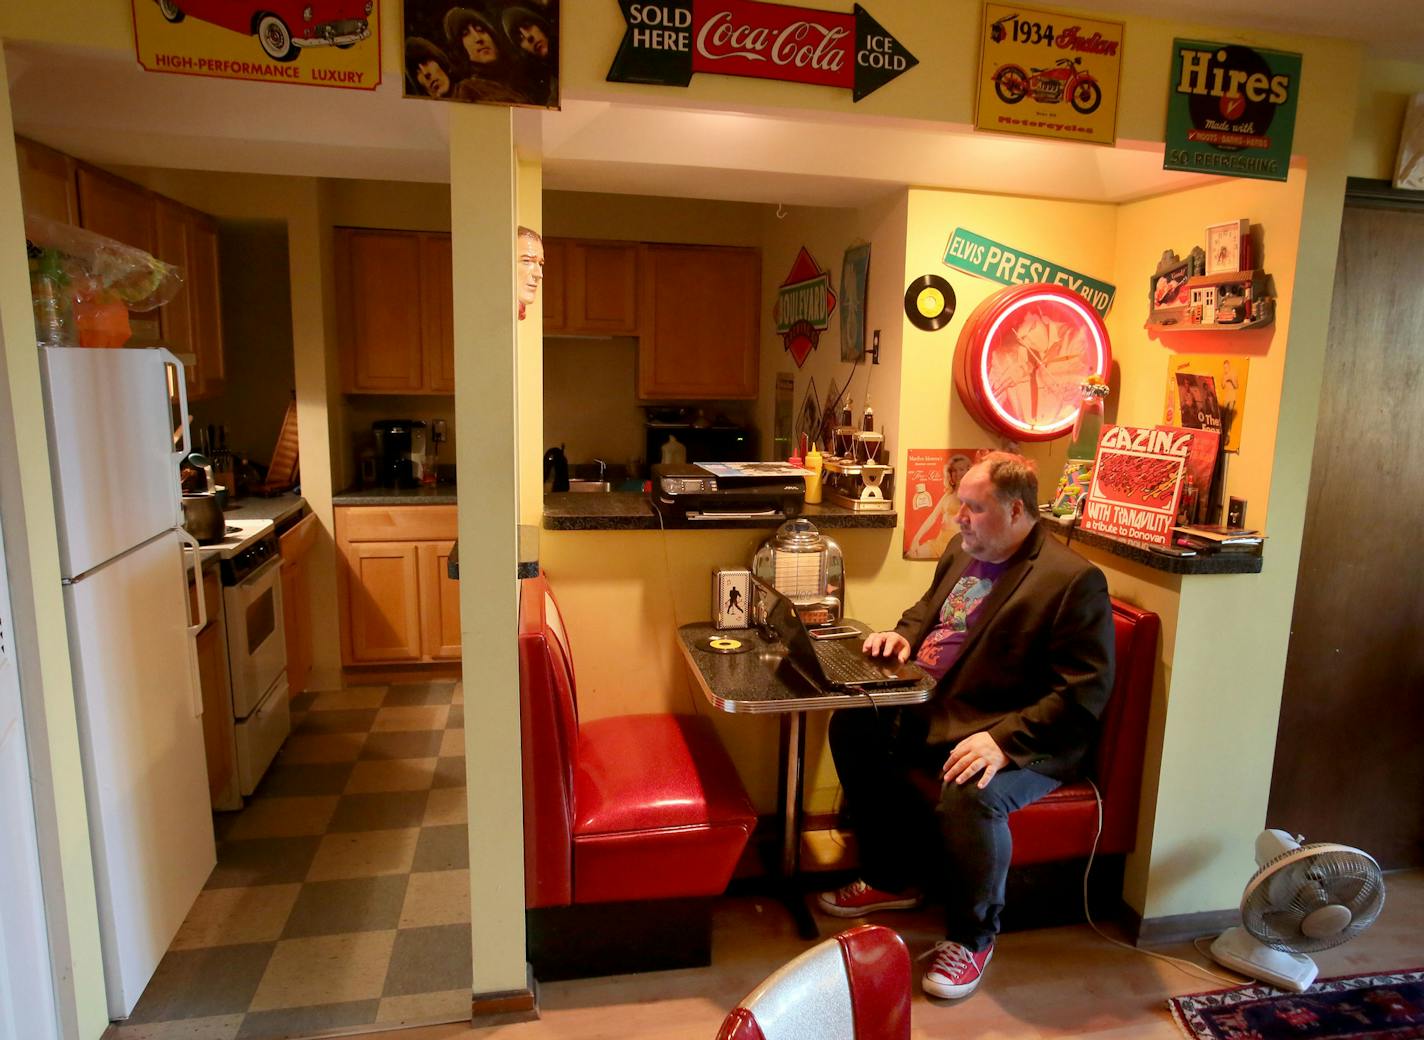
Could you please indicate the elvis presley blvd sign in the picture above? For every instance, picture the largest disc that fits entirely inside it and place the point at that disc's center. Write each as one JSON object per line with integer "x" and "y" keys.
{"x": 666, "y": 41}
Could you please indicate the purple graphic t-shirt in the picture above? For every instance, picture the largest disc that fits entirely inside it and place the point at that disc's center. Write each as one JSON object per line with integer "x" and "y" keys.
{"x": 941, "y": 647}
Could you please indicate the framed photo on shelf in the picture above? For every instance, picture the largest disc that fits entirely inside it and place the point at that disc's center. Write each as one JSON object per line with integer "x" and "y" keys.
{"x": 1227, "y": 246}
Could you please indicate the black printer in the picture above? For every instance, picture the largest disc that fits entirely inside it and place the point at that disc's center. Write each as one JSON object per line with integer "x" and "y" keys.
{"x": 727, "y": 491}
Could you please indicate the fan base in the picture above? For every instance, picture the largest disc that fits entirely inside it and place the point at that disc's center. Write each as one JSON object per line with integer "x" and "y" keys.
{"x": 1239, "y": 951}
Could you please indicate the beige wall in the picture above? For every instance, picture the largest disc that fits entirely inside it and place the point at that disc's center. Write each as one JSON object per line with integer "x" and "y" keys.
{"x": 1385, "y": 89}
{"x": 40, "y": 641}
{"x": 257, "y": 338}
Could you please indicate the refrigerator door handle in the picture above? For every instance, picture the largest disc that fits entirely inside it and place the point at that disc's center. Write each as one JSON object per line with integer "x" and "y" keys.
{"x": 197, "y": 558}
{"x": 193, "y": 630}
{"x": 174, "y": 374}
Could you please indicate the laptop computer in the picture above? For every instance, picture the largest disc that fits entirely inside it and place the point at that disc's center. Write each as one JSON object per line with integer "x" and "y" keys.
{"x": 833, "y": 664}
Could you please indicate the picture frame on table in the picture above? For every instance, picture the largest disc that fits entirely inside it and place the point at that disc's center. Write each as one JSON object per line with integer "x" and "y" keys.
{"x": 1228, "y": 246}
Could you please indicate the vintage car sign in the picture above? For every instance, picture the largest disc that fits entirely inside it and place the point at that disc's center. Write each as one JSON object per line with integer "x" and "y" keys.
{"x": 1231, "y": 109}
{"x": 315, "y": 43}
{"x": 666, "y": 41}
{"x": 1048, "y": 74}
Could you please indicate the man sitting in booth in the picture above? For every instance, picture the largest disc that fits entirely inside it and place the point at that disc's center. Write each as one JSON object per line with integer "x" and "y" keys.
{"x": 1017, "y": 629}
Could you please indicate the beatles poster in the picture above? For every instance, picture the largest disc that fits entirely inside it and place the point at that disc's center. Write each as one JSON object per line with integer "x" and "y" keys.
{"x": 498, "y": 52}
{"x": 1137, "y": 480}
{"x": 1048, "y": 74}
{"x": 314, "y": 43}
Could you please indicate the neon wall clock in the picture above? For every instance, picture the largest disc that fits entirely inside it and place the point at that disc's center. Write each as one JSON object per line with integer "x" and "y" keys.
{"x": 1021, "y": 357}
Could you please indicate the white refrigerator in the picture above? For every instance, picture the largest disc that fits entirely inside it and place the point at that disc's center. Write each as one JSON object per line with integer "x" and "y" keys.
{"x": 113, "y": 418}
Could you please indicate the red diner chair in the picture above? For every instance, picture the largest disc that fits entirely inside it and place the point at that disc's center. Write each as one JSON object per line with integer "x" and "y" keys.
{"x": 855, "y": 986}
{"x": 633, "y": 825}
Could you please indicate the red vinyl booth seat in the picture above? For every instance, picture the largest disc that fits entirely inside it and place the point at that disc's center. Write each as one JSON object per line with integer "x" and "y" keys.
{"x": 619, "y": 809}
{"x": 1062, "y": 824}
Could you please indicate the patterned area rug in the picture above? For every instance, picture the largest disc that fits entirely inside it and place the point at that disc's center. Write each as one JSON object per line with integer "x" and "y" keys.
{"x": 1349, "y": 1007}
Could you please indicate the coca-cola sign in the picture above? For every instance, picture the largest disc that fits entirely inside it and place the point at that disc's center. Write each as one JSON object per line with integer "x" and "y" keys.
{"x": 666, "y": 41}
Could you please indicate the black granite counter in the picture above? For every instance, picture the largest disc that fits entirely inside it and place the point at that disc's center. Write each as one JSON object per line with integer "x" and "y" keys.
{"x": 631, "y": 511}
{"x": 1141, "y": 552}
{"x": 440, "y": 495}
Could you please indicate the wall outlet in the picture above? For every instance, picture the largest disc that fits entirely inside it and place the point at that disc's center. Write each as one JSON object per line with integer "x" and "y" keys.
{"x": 437, "y": 431}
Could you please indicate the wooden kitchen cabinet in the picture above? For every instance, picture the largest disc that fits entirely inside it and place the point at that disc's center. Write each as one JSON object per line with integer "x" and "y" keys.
{"x": 590, "y": 288}
{"x": 399, "y": 607}
{"x": 439, "y": 603}
{"x": 191, "y": 322}
{"x": 219, "y": 742}
{"x": 116, "y": 208}
{"x": 47, "y": 182}
{"x": 395, "y": 311}
{"x": 296, "y": 544}
{"x": 699, "y": 322}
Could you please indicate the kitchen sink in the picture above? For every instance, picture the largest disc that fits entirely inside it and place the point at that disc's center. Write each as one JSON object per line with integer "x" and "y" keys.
{"x": 590, "y": 485}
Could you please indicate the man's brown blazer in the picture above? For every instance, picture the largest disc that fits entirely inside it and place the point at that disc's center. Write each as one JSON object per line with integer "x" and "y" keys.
{"x": 1036, "y": 666}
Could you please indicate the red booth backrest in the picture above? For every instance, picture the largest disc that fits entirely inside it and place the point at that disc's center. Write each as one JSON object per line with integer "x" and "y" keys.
{"x": 1122, "y": 736}
{"x": 548, "y": 715}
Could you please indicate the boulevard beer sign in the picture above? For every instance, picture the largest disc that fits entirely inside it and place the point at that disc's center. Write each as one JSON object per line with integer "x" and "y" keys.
{"x": 665, "y": 42}
{"x": 1231, "y": 110}
{"x": 804, "y": 305}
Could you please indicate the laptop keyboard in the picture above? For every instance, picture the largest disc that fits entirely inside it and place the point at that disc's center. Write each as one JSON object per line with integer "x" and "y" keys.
{"x": 844, "y": 663}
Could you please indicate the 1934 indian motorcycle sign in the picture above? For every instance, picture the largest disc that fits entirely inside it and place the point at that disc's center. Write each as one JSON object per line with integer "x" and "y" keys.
{"x": 1048, "y": 74}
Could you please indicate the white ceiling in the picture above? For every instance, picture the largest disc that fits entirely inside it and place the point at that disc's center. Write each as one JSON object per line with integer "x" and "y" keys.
{"x": 106, "y": 109}
{"x": 110, "y": 111}
{"x": 1389, "y": 28}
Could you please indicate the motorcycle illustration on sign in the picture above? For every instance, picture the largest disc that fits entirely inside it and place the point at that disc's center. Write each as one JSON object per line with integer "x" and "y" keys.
{"x": 1065, "y": 79}
{"x": 1048, "y": 74}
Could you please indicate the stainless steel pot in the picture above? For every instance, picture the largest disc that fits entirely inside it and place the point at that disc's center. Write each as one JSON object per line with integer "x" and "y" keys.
{"x": 203, "y": 518}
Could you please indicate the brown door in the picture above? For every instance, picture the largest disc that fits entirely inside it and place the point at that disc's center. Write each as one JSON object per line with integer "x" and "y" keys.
{"x": 1349, "y": 767}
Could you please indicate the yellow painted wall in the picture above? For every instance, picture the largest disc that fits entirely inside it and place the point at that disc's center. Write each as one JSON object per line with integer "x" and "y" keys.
{"x": 531, "y": 360}
{"x": 39, "y": 637}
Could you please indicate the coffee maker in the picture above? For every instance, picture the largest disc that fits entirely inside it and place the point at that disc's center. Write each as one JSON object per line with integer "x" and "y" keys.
{"x": 400, "y": 452}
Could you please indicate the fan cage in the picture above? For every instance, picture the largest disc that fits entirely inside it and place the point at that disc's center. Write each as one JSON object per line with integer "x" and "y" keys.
{"x": 1287, "y": 889}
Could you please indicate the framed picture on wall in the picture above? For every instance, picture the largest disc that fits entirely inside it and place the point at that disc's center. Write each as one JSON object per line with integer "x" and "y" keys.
{"x": 497, "y": 52}
{"x": 1224, "y": 246}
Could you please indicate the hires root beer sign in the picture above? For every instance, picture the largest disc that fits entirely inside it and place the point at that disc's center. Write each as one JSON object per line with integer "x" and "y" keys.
{"x": 666, "y": 41}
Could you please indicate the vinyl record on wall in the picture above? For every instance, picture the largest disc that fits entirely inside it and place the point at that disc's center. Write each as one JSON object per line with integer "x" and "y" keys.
{"x": 929, "y": 302}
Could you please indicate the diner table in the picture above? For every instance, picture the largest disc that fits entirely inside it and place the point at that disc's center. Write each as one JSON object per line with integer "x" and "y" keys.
{"x": 761, "y": 681}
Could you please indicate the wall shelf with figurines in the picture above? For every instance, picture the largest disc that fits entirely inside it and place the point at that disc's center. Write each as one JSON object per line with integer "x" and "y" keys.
{"x": 1216, "y": 289}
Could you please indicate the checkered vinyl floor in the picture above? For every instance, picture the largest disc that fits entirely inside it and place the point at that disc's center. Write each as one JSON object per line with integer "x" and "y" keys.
{"x": 341, "y": 898}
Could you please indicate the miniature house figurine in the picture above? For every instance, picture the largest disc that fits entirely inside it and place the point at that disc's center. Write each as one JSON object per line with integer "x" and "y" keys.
{"x": 1203, "y": 304}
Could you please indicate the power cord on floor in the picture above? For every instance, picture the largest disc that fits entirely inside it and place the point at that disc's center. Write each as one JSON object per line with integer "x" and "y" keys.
{"x": 1180, "y": 964}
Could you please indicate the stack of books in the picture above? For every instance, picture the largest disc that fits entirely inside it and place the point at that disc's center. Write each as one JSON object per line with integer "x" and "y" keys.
{"x": 1216, "y": 538}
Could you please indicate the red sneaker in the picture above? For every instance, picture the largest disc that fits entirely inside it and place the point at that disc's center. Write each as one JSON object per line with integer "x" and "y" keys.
{"x": 955, "y": 970}
{"x": 858, "y": 898}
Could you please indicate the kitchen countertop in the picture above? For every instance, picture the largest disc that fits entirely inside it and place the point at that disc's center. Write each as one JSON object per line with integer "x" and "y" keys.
{"x": 274, "y": 509}
{"x": 440, "y": 495}
{"x": 631, "y": 511}
{"x": 254, "y": 518}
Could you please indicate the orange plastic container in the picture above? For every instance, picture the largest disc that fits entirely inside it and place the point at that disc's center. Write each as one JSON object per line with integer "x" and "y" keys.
{"x": 101, "y": 322}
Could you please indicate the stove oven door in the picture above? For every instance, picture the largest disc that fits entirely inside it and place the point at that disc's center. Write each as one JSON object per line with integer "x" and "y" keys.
{"x": 256, "y": 635}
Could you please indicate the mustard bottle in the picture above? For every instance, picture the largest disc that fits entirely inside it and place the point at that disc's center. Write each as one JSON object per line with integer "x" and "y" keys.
{"x": 813, "y": 478}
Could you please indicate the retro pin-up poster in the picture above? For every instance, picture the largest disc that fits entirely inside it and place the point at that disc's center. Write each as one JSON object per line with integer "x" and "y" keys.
{"x": 932, "y": 498}
{"x": 314, "y": 43}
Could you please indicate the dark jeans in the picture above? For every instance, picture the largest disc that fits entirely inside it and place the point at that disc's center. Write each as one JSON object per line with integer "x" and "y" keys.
{"x": 958, "y": 842}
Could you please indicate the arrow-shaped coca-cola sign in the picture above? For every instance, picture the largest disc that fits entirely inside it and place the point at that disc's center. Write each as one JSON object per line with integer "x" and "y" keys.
{"x": 666, "y": 41}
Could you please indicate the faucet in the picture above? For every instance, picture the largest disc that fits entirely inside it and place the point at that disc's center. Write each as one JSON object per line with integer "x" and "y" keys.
{"x": 602, "y": 469}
